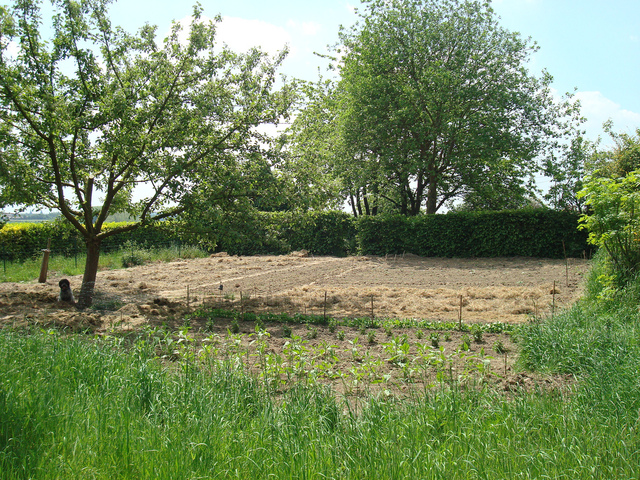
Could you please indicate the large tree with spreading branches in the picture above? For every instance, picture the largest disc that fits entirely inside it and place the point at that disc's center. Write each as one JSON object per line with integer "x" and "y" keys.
{"x": 90, "y": 113}
{"x": 435, "y": 102}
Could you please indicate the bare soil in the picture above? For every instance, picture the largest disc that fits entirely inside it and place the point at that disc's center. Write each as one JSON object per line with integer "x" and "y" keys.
{"x": 509, "y": 290}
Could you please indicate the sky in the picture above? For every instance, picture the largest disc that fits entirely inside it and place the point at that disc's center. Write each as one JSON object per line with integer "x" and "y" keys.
{"x": 590, "y": 46}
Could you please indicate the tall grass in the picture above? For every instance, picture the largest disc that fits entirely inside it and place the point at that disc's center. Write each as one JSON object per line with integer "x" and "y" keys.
{"x": 83, "y": 407}
{"x": 59, "y": 265}
{"x": 598, "y": 341}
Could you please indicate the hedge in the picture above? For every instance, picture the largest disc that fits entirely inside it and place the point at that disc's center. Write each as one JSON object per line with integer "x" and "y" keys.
{"x": 531, "y": 233}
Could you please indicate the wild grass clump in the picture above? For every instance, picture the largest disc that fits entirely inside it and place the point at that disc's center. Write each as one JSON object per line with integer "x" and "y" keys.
{"x": 597, "y": 340}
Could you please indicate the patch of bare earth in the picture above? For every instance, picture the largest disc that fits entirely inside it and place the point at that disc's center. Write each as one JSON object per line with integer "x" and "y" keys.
{"x": 509, "y": 290}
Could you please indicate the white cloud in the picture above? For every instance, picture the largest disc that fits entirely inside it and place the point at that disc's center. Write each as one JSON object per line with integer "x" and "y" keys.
{"x": 597, "y": 109}
{"x": 241, "y": 35}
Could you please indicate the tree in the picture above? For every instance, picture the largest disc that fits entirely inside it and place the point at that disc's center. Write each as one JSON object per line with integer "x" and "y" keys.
{"x": 612, "y": 195}
{"x": 436, "y": 99}
{"x": 92, "y": 112}
{"x": 311, "y": 148}
{"x": 567, "y": 170}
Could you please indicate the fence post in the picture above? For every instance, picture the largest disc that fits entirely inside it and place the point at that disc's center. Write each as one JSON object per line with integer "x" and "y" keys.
{"x": 45, "y": 263}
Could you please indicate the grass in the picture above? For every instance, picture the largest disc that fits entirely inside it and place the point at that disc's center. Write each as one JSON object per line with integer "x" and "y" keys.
{"x": 27, "y": 270}
{"x": 77, "y": 406}
{"x": 82, "y": 407}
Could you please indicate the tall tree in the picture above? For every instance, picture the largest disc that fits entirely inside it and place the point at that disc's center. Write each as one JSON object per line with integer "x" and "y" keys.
{"x": 567, "y": 170}
{"x": 88, "y": 112}
{"x": 437, "y": 98}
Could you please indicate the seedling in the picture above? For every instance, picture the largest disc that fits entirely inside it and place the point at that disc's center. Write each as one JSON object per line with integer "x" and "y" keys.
{"x": 371, "y": 337}
{"x": 286, "y": 331}
{"x": 235, "y": 327}
{"x": 499, "y": 347}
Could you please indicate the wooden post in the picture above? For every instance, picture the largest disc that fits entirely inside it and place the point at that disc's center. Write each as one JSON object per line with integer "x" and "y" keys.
{"x": 324, "y": 310}
{"x": 566, "y": 263}
{"x": 45, "y": 263}
{"x": 372, "y": 314}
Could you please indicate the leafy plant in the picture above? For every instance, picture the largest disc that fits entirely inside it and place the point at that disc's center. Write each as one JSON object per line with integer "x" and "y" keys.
{"x": 286, "y": 331}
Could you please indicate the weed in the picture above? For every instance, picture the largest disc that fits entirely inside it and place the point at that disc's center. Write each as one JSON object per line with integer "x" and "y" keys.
{"x": 435, "y": 340}
{"x": 476, "y": 331}
{"x": 465, "y": 342}
{"x": 419, "y": 334}
{"x": 341, "y": 335}
{"x": 333, "y": 324}
{"x": 259, "y": 324}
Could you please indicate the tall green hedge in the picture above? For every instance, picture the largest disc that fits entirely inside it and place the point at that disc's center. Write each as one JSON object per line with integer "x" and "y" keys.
{"x": 531, "y": 233}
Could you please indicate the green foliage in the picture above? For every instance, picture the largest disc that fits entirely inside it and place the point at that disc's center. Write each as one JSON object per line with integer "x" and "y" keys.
{"x": 205, "y": 414}
{"x": 20, "y": 241}
{"x": 433, "y": 103}
{"x": 320, "y": 233}
{"x": 613, "y": 220}
{"x": 596, "y": 341}
{"x": 534, "y": 233}
{"x": 117, "y": 110}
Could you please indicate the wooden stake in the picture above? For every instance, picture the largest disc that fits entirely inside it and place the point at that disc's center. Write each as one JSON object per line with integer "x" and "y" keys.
{"x": 324, "y": 310}
{"x": 372, "y": 314}
{"x": 566, "y": 262}
{"x": 553, "y": 305}
{"x": 45, "y": 263}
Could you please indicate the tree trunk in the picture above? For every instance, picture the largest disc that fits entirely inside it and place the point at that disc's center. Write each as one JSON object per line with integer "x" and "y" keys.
{"x": 85, "y": 299}
{"x": 432, "y": 196}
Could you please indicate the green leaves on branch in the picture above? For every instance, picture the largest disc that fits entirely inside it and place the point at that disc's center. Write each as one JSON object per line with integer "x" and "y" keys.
{"x": 435, "y": 103}
{"x": 92, "y": 112}
{"x": 613, "y": 220}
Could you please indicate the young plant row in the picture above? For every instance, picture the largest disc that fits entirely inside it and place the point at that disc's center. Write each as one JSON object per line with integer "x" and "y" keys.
{"x": 352, "y": 365}
{"x": 211, "y": 314}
